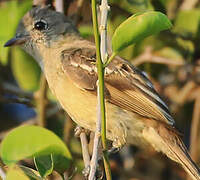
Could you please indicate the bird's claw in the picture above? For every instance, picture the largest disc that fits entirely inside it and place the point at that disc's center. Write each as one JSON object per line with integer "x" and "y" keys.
{"x": 114, "y": 150}
{"x": 86, "y": 172}
{"x": 78, "y": 130}
{"x": 98, "y": 175}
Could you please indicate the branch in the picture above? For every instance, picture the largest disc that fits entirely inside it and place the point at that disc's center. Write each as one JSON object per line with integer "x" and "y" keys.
{"x": 59, "y": 6}
{"x": 25, "y": 101}
{"x": 41, "y": 100}
{"x": 195, "y": 128}
{"x": 84, "y": 145}
{"x": 12, "y": 89}
{"x": 104, "y": 8}
{"x": 2, "y": 171}
{"x": 188, "y": 4}
{"x": 148, "y": 56}
{"x": 39, "y": 2}
{"x": 94, "y": 160}
{"x": 101, "y": 118}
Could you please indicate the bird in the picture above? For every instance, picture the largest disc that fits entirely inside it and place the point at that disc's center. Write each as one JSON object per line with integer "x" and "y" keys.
{"x": 135, "y": 112}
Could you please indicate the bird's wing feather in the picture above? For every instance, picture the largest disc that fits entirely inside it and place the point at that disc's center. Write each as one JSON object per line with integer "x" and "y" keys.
{"x": 126, "y": 86}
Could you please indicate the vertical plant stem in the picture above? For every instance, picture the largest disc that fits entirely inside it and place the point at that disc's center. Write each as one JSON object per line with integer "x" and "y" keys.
{"x": 2, "y": 171}
{"x": 104, "y": 8}
{"x": 194, "y": 136}
{"x": 2, "y": 174}
{"x": 42, "y": 101}
{"x": 94, "y": 160}
{"x": 39, "y": 2}
{"x": 195, "y": 128}
{"x": 59, "y": 6}
{"x": 101, "y": 119}
{"x": 101, "y": 116}
{"x": 103, "y": 29}
{"x": 84, "y": 145}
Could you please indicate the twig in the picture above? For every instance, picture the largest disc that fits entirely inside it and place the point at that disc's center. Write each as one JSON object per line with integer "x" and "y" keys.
{"x": 68, "y": 126}
{"x": 77, "y": 15}
{"x": 104, "y": 8}
{"x": 2, "y": 174}
{"x": 188, "y": 4}
{"x": 94, "y": 160}
{"x": 195, "y": 128}
{"x": 2, "y": 171}
{"x": 59, "y": 6}
{"x": 85, "y": 151}
{"x": 41, "y": 100}
{"x": 147, "y": 56}
{"x": 39, "y": 2}
{"x": 100, "y": 104}
{"x": 16, "y": 100}
{"x": 101, "y": 118}
{"x": 12, "y": 89}
{"x": 182, "y": 95}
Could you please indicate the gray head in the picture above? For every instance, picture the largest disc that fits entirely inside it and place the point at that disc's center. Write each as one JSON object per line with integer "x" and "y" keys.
{"x": 41, "y": 25}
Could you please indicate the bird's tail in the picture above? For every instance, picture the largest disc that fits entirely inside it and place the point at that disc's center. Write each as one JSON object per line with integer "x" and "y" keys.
{"x": 176, "y": 150}
{"x": 167, "y": 140}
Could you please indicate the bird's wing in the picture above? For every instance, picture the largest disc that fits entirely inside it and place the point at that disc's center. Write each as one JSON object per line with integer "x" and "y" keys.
{"x": 125, "y": 85}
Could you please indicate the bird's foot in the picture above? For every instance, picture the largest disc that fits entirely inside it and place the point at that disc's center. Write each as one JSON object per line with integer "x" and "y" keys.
{"x": 78, "y": 130}
{"x": 86, "y": 172}
{"x": 99, "y": 173}
{"x": 114, "y": 150}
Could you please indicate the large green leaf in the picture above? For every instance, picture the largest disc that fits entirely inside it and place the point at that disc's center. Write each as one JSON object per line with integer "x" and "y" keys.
{"x": 25, "y": 69}
{"x": 31, "y": 141}
{"x": 137, "y": 27}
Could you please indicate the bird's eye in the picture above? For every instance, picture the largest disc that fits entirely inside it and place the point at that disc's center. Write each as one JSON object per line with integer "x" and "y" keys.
{"x": 40, "y": 25}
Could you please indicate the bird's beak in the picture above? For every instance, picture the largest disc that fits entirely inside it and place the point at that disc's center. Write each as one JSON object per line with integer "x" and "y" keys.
{"x": 16, "y": 41}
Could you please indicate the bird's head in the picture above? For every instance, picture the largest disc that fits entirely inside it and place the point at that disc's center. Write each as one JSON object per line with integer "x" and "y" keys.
{"x": 41, "y": 26}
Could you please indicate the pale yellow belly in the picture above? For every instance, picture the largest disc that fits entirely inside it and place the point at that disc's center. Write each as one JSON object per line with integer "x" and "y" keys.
{"x": 122, "y": 126}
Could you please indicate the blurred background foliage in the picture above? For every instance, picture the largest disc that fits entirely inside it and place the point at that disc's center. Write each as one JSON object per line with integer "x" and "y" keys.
{"x": 171, "y": 59}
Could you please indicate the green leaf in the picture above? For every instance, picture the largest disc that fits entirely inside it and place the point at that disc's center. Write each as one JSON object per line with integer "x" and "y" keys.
{"x": 44, "y": 165}
{"x": 61, "y": 163}
{"x": 187, "y": 22}
{"x": 25, "y": 69}
{"x": 138, "y": 27}
{"x": 10, "y": 14}
{"x": 31, "y": 141}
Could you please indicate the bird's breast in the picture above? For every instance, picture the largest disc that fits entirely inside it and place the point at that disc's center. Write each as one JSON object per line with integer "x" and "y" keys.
{"x": 122, "y": 126}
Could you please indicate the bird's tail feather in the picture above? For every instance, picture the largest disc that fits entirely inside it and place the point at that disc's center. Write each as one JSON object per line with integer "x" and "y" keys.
{"x": 179, "y": 153}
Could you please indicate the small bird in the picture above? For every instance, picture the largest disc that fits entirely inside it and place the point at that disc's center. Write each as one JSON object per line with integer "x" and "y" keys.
{"x": 135, "y": 112}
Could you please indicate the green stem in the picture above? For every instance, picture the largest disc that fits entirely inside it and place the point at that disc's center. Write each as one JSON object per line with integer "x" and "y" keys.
{"x": 100, "y": 69}
{"x": 110, "y": 59}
